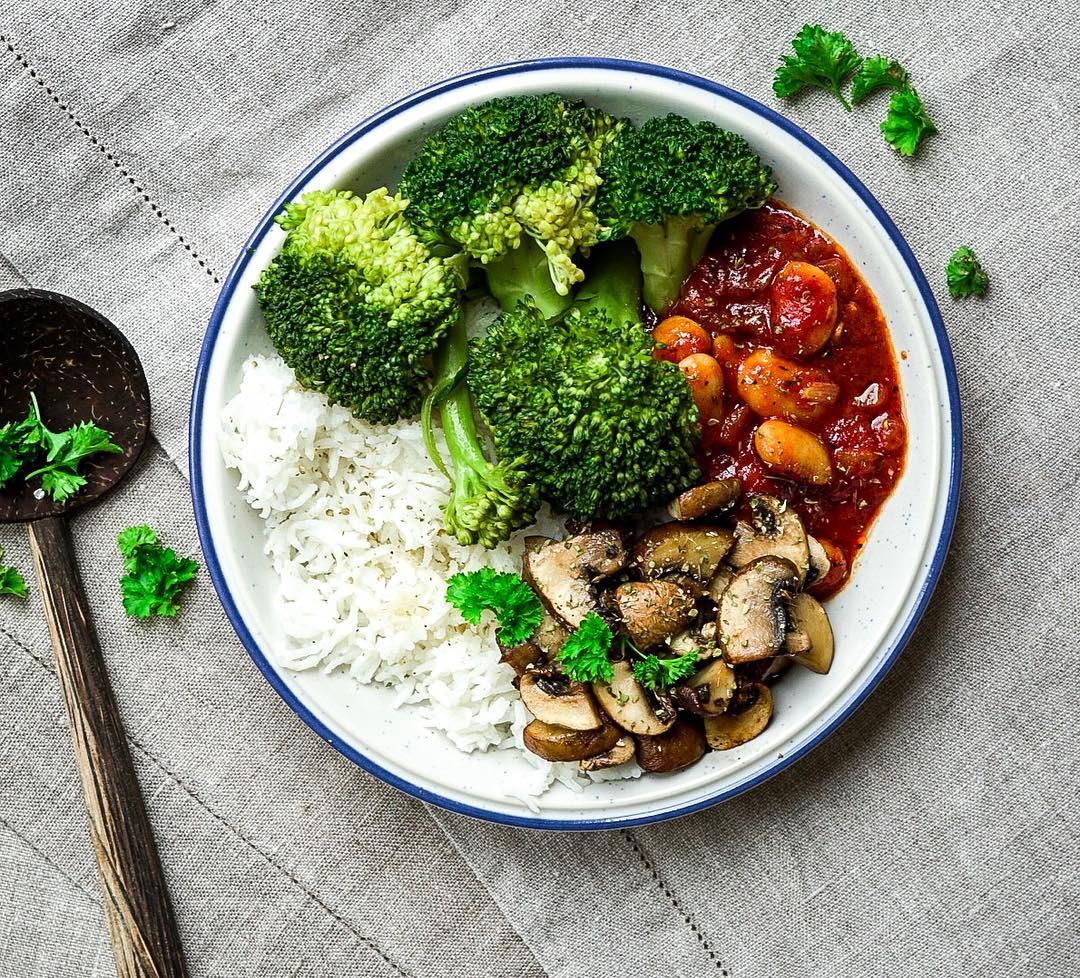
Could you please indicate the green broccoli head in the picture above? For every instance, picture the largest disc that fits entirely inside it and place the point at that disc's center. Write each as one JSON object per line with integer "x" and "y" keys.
{"x": 356, "y": 303}
{"x": 668, "y": 184}
{"x": 603, "y": 428}
{"x": 510, "y": 169}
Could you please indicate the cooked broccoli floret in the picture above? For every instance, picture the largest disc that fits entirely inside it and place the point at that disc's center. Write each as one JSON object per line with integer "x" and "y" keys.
{"x": 507, "y": 171}
{"x": 603, "y": 428}
{"x": 356, "y": 304}
{"x": 488, "y": 500}
{"x": 668, "y": 184}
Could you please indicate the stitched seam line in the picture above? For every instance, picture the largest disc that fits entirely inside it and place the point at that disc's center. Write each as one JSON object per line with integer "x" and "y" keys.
{"x": 674, "y": 901}
{"x": 108, "y": 154}
{"x": 49, "y": 862}
{"x": 160, "y": 765}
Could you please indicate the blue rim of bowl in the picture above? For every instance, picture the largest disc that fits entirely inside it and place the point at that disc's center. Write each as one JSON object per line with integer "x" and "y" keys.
{"x": 196, "y": 422}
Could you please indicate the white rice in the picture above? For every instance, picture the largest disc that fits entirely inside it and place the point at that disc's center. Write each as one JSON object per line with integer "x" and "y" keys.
{"x": 352, "y": 517}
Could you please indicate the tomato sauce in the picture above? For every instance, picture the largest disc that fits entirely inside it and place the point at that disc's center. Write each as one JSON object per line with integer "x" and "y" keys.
{"x": 731, "y": 294}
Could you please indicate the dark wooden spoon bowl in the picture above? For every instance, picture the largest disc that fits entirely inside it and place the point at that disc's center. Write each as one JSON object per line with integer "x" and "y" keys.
{"x": 82, "y": 368}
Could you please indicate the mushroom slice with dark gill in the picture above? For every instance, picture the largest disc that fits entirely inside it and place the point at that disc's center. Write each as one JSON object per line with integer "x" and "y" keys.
{"x": 679, "y": 747}
{"x": 753, "y": 615}
{"x": 559, "y": 702}
{"x": 627, "y": 703}
{"x": 622, "y": 752}
{"x": 820, "y": 565}
{"x": 811, "y": 630}
{"x": 520, "y": 657}
{"x": 777, "y": 531}
{"x": 693, "y": 549}
{"x": 708, "y": 691}
{"x": 562, "y": 571}
{"x": 712, "y": 497}
{"x": 652, "y": 611}
{"x": 733, "y": 729}
{"x": 562, "y": 744}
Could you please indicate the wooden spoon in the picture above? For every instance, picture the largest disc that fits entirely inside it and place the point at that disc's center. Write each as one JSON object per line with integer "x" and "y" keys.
{"x": 83, "y": 369}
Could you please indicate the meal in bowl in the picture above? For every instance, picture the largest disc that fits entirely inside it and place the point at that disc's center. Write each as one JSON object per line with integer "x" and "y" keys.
{"x": 567, "y": 436}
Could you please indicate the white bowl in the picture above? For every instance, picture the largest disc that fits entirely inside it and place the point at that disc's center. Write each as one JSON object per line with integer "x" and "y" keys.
{"x": 873, "y": 616}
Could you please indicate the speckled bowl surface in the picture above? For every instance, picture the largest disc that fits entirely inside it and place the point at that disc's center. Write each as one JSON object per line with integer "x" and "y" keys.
{"x": 873, "y": 617}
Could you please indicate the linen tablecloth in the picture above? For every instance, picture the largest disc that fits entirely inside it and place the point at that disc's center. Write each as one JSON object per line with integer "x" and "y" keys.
{"x": 934, "y": 834}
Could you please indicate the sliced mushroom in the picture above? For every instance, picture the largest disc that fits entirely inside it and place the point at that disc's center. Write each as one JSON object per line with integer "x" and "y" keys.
{"x": 622, "y": 752}
{"x": 720, "y": 580}
{"x": 732, "y": 729}
{"x": 652, "y": 611}
{"x": 702, "y": 641}
{"x": 520, "y": 657}
{"x": 679, "y": 747}
{"x": 712, "y": 497}
{"x": 562, "y": 744}
{"x": 820, "y": 565}
{"x": 562, "y": 571}
{"x": 550, "y": 635}
{"x": 627, "y": 703}
{"x": 680, "y": 548}
{"x": 559, "y": 702}
{"x": 777, "y": 531}
{"x": 708, "y": 691}
{"x": 811, "y": 622}
{"x": 753, "y": 615}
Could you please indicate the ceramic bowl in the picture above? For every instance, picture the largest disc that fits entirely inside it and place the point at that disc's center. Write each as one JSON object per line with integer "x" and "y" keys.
{"x": 873, "y": 616}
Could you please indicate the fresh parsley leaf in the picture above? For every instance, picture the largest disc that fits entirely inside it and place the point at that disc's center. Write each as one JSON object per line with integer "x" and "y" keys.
{"x": 656, "y": 673}
{"x": 965, "y": 274}
{"x": 822, "y": 59}
{"x": 19, "y": 441}
{"x": 514, "y": 604}
{"x": 876, "y": 73}
{"x": 60, "y": 477}
{"x": 907, "y": 123}
{"x": 134, "y": 537}
{"x": 154, "y": 576}
{"x": 11, "y": 581}
{"x": 584, "y": 654}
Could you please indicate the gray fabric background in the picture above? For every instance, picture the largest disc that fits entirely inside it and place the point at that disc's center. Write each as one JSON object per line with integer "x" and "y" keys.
{"x": 935, "y": 834}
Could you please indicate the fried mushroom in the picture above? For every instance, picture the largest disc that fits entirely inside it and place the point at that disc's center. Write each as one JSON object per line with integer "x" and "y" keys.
{"x": 776, "y": 531}
{"x": 753, "y": 614}
{"x": 626, "y": 702}
{"x": 562, "y": 572}
{"x": 734, "y": 729}
{"x": 700, "y": 501}
{"x": 653, "y": 611}
{"x": 559, "y": 702}
{"x": 677, "y": 548}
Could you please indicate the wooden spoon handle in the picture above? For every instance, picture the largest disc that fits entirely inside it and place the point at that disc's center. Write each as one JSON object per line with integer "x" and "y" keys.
{"x": 144, "y": 936}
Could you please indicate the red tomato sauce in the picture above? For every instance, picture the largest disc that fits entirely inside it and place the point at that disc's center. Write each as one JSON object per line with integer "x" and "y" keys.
{"x": 729, "y": 293}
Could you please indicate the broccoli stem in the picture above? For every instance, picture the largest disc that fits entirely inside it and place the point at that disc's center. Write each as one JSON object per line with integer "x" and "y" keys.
{"x": 525, "y": 272}
{"x": 488, "y": 501}
{"x": 668, "y": 252}
{"x": 613, "y": 283}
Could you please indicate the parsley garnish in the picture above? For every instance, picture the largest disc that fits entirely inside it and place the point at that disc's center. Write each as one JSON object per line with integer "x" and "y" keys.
{"x": 11, "y": 581}
{"x": 876, "y": 73}
{"x": 906, "y": 124}
{"x": 965, "y": 274}
{"x": 154, "y": 576}
{"x": 585, "y": 652}
{"x": 656, "y": 673}
{"x": 19, "y": 440}
{"x": 822, "y": 59}
{"x": 23, "y": 443}
{"x": 514, "y": 604}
